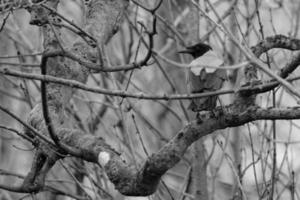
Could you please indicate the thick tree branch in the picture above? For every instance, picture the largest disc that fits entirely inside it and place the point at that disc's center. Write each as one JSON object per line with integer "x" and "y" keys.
{"x": 103, "y": 19}
{"x": 66, "y": 68}
{"x": 144, "y": 181}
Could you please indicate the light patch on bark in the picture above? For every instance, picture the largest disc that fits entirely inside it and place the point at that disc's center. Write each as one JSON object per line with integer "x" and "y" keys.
{"x": 103, "y": 158}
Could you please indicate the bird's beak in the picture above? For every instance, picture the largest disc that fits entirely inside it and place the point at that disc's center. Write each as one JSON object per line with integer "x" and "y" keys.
{"x": 185, "y": 51}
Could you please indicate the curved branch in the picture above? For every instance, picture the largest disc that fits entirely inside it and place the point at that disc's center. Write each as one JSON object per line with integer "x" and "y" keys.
{"x": 277, "y": 41}
{"x": 144, "y": 181}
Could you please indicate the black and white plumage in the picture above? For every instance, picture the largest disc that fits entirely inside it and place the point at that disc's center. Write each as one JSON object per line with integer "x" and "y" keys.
{"x": 204, "y": 79}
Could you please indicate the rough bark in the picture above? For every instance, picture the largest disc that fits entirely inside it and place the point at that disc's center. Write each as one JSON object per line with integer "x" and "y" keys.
{"x": 47, "y": 118}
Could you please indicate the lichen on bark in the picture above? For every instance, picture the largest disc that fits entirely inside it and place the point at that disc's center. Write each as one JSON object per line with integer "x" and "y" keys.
{"x": 103, "y": 18}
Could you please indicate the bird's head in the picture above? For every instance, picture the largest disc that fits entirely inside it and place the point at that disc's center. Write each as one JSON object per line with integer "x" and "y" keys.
{"x": 197, "y": 50}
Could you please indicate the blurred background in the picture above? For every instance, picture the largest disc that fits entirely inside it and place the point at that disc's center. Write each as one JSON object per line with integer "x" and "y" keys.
{"x": 238, "y": 163}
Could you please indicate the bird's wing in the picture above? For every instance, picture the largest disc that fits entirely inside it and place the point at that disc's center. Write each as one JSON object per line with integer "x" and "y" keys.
{"x": 209, "y": 62}
{"x": 214, "y": 81}
{"x": 196, "y": 84}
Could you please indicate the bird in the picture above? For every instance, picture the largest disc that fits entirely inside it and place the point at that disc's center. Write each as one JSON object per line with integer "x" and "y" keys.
{"x": 196, "y": 50}
{"x": 203, "y": 79}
